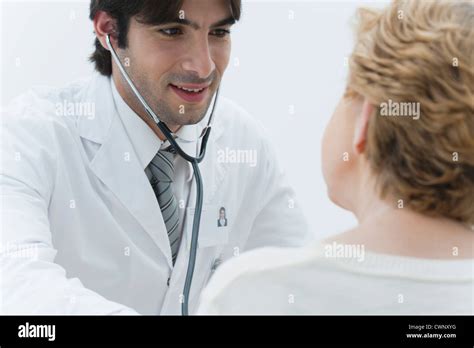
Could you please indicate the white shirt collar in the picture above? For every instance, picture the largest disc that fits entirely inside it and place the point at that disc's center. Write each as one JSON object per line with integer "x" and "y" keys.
{"x": 144, "y": 140}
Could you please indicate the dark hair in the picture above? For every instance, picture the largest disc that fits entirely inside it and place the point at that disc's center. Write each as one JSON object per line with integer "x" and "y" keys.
{"x": 146, "y": 11}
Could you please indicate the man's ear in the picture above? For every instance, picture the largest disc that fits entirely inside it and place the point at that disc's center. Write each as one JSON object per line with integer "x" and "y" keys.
{"x": 362, "y": 125}
{"x": 104, "y": 24}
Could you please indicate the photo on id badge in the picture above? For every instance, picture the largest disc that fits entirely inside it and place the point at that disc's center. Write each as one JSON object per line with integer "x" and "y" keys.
{"x": 210, "y": 232}
{"x": 222, "y": 220}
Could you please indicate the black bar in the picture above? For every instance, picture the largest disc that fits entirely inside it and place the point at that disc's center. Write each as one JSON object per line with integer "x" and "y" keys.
{"x": 261, "y": 330}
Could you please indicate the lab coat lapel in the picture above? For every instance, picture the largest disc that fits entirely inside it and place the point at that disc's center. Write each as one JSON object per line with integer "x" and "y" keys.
{"x": 217, "y": 170}
{"x": 213, "y": 172}
{"x": 117, "y": 165}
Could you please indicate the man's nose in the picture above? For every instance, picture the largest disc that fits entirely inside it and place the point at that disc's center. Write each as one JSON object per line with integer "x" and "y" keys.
{"x": 199, "y": 59}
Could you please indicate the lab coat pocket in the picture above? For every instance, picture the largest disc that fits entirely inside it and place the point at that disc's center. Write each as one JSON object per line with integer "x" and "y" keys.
{"x": 211, "y": 232}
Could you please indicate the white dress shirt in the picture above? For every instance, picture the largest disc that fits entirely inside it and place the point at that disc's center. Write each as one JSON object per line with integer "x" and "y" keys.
{"x": 146, "y": 146}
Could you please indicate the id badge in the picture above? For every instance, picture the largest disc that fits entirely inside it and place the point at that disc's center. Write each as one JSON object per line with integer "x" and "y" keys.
{"x": 213, "y": 229}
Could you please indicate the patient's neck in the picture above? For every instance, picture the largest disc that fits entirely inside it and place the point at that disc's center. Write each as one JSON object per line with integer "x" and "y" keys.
{"x": 365, "y": 201}
{"x": 386, "y": 226}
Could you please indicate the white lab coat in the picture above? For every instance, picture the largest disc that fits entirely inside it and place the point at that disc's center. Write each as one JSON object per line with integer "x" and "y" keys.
{"x": 81, "y": 228}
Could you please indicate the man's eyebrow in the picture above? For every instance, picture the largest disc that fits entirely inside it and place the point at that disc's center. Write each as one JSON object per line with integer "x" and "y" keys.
{"x": 223, "y": 22}
{"x": 194, "y": 25}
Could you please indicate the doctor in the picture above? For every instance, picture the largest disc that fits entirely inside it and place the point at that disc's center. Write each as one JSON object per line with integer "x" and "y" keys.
{"x": 97, "y": 209}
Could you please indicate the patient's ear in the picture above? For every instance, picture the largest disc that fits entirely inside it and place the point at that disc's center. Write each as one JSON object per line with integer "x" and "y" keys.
{"x": 361, "y": 127}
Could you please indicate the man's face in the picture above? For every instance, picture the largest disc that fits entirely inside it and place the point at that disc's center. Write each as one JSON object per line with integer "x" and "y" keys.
{"x": 178, "y": 66}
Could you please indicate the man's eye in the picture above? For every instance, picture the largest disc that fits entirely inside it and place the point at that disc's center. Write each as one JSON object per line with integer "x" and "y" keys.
{"x": 171, "y": 31}
{"x": 220, "y": 32}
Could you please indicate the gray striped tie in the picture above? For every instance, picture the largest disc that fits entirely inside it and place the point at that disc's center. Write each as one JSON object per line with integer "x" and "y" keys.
{"x": 162, "y": 174}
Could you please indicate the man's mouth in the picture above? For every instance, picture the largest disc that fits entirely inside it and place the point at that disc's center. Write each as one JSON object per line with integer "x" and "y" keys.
{"x": 191, "y": 93}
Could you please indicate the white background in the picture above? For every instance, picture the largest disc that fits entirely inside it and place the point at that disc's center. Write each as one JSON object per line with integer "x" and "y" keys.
{"x": 286, "y": 55}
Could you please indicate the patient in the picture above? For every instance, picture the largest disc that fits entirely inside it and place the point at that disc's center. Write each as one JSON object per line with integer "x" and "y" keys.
{"x": 399, "y": 154}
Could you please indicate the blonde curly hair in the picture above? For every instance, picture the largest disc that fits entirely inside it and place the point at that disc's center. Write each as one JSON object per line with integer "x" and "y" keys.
{"x": 420, "y": 51}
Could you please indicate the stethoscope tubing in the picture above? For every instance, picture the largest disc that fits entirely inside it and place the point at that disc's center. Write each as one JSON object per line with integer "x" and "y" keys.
{"x": 195, "y": 164}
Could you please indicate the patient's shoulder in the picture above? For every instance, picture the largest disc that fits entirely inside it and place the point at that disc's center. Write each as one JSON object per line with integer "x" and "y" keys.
{"x": 240, "y": 273}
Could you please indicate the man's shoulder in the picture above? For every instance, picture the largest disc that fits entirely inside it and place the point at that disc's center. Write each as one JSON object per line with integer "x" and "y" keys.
{"x": 43, "y": 98}
{"x": 44, "y": 108}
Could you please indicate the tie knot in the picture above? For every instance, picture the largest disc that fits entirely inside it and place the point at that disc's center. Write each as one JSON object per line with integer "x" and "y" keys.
{"x": 162, "y": 166}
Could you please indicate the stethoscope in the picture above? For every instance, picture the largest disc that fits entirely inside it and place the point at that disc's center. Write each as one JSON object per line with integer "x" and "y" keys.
{"x": 194, "y": 162}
